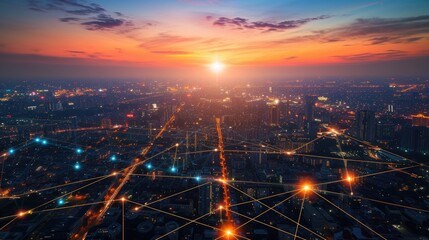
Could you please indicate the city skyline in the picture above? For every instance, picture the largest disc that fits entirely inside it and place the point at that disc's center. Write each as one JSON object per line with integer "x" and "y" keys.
{"x": 163, "y": 39}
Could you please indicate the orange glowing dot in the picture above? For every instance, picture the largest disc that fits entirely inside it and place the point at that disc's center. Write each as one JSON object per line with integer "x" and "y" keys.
{"x": 220, "y": 207}
{"x": 228, "y": 232}
{"x": 349, "y": 179}
{"x": 114, "y": 173}
{"x": 177, "y": 144}
{"x": 136, "y": 209}
{"x": 21, "y": 214}
{"x": 122, "y": 199}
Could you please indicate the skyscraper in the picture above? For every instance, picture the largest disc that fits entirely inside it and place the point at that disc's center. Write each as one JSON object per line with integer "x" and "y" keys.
{"x": 415, "y": 139}
{"x": 274, "y": 115}
{"x": 365, "y": 125}
{"x": 309, "y": 101}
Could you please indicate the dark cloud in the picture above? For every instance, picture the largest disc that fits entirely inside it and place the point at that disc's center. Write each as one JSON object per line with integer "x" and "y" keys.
{"x": 74, "y": 7}
{"x": 103, "y": 22}
{"x": 69, "y": 19}
{"x": 362, "y": 57}
{"x": 372, "y": 31}
{"x": 239, "y": 23}
{"x": 91, "y": 16}
{"x": 382, "y": 30}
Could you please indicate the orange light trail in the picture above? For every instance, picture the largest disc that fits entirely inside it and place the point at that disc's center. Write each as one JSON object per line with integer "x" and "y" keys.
{"x": 92, "y": 218}
{"x": 226, "y": 196}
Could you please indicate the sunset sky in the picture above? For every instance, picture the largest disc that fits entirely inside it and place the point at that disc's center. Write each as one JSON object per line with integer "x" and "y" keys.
{"x": 144, "y": 39}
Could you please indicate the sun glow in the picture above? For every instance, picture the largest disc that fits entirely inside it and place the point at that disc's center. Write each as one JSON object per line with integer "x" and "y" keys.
{"x": 217, "y": 67}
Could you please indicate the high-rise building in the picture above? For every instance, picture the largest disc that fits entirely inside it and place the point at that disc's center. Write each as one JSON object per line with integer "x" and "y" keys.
{"x": 312, "y": 129}
{"x": 309, "y": 101}
{"x": 274, "y": 115}
{"x": 365, "y": 125}
{"x": 420, "y": 120}
{"x": 415, "y": 139}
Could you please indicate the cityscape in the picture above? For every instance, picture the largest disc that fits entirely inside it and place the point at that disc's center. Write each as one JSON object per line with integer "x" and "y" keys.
{"x": 214, "y": 119}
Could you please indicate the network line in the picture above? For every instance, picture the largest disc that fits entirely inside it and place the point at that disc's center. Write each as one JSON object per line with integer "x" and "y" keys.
{"x": 374, "y": 200}
{"x": 348, "y": 214}
{"x": 224, "y": 181}
{"x": 274, "y": 210}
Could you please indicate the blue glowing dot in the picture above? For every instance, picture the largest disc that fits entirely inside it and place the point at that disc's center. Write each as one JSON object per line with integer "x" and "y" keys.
{"x": 78, "y": 150}
{"x": 11, "y": 151}
{"x": 77, "y": 166}
{"x": 197, "y": 178}
{"x": 37, "y": 139}
{"x": 61, "y": 201}
{"x": 44, "y": 142}
{"x": 113, "y": 158}
{"x": 173, "y": 169}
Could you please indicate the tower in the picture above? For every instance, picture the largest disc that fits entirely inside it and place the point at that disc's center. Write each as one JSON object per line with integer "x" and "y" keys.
{"x": 309, "y": 102}
{"x": 274, "y": 115}
{"x": 365, "y": 125}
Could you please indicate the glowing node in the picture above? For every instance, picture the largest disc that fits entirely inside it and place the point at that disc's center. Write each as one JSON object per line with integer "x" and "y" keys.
{"x": 222, "y": 180}
{"x": 37, "y": 139}
{"x": 113, "y": 158}
{"x": 220, "y": 207}
{"x": 306, "y": 187}
{"x": 123, "y": 199}
{"x": 76, "y": 166}
{"x": 149, "y": 166}
{"x": 173, "y": 169}
{"x": 228, "y": 232}
{"x": 78, "y": 151}
{"x": 136, "y": 209}
{"x": 197, "y": 178}
{"x": 351, "y": 193}
{"x": 177, "y": 144}
{"x": 290, "y": 153}
{"x": 44, "y": 142}
{"x": 216, "y": 149}
{"x": 61, "y": 202}
{"x": 114, "y": 173}
{"x": 217, "y": 67}
{"x": 11, "y": 151}
{"x": 21, "y": 214}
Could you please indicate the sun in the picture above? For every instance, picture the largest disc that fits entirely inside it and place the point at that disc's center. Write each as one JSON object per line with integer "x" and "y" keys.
{"x": 217, "y": 67}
